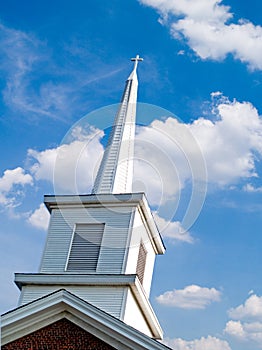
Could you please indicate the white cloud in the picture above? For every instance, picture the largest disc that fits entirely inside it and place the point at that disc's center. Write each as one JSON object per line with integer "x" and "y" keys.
{"x": 216, "y": 94}
{"x": 172, "y": 230}
{"x": 11, "y": 186}
{"x": 208, "y": 343}
{"x": 230, "y": 143}
{"x": 12, "y": 177}
{"x": 40, "y": 218}
{"x": 200, "y": 10}
{"x": 235, "y": 329}
{"x": 43, "y": 169}
{"x": 181, "y": 53}
{"x": 247, "y": 321}
{"x": 221, "y": 151}
{"x": 205, "y": 25}
{"x": 155, "y": 164}
{"x": 250, "y": 188}
{"x": 250, "y": 331}
{"x": 252, "y": 308}
{"x": 70, "y": 167}
{"x": 191, "y": 297}
{"x": 168, "y": 163}
{"x": 224, "y": 148}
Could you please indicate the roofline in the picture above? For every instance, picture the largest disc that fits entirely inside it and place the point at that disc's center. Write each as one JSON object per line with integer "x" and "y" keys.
{"x": 63, "y": 304}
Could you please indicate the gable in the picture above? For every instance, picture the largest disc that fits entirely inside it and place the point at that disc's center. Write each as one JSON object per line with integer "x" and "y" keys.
{"x": 39, "y": 314}
{"x": 62, "y": 334}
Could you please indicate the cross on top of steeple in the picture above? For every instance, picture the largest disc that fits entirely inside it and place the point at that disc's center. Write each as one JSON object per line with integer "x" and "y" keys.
{"x": 136, "y": 60}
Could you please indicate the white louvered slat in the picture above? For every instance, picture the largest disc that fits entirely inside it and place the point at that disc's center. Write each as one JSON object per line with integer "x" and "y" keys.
{"x": 141, "y": 262}
{"x": 85, "y": 247}
{"x": 60, "y": 236}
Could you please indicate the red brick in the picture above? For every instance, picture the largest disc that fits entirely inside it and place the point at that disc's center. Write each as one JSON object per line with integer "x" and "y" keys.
{"x": 60, "y": 335}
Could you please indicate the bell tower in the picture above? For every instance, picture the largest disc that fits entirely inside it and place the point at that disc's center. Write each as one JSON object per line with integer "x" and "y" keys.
{"x": 102, "y": 246}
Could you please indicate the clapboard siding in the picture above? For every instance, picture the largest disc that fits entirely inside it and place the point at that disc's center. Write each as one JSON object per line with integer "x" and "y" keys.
{"x": 57, "y": 244}
{"x": 140, "y": 235}
{"x": 109, "y": 299}
{"x": 114, "y": 239}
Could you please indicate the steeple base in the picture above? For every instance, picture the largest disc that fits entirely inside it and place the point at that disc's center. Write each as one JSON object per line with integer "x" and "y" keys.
{"x": 102, "y": 249}
{"x": 121, "y": 296}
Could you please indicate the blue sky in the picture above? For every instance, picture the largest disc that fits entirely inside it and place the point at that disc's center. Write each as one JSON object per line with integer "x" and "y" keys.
{"x": 62, "y": 60}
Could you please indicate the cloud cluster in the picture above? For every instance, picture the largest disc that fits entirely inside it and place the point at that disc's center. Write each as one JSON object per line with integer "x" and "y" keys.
{"x": 247, "y": 321}
{"x": 71, "y": 166}
{"x": 252, "y": 308}
{"x": 208, "y": 28}
{"x": 222, "y": 150}
{"x": 12, "y": 184}
{"x": 191, "y": 297}
{"x": 208, "y": 343}
{"x": 171, "y": 161}
{"x": 39, "y": 218}
{"x": 230, "y": 143}
{"x": 250, "y": 188}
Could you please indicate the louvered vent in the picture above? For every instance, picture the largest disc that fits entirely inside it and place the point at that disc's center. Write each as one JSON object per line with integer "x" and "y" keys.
{"x": 85, "y": 247}
{"x": 141, "y": 262}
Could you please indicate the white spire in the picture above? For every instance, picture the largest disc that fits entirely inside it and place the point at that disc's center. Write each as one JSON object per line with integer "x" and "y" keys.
{"x": 115, "y": 173}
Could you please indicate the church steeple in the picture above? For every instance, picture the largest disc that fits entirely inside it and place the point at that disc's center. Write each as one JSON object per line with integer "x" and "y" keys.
{"x": 116, "y": 169}
{"x": 101, "y": 247}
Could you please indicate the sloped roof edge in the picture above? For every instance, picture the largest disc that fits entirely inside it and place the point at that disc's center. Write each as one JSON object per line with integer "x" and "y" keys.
{"x": 63, "y": 304}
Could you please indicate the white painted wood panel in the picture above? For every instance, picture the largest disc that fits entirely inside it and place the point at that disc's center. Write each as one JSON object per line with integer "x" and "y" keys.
{"x": 134, "y": 316}
{"x": 114, "y": 239}
{"x": 139, "y": 233}
{"x": 108, "y": 299}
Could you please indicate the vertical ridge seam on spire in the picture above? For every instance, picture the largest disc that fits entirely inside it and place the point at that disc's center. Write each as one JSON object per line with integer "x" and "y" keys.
{"x": 108, "y": 177}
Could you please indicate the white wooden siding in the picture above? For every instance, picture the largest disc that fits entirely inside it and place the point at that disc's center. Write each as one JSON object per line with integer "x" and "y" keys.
{"x": 109, "y": 299}
{"x": 57, "y": 244}
{"x": 134, "y": 317}
{"x": 139, "y": 233}
{"x": 126, "y": 224}
{"x": 113, "y": 243}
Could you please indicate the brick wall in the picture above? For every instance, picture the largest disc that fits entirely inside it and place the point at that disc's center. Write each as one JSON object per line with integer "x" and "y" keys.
{"x": 59, "y": 335}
